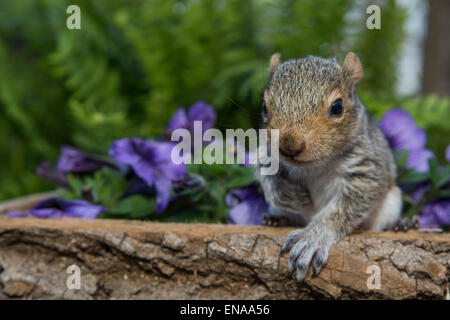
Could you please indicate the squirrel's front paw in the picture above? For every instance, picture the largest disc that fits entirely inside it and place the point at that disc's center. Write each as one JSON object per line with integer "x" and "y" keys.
{"x": 308, "y": 246}
{"x": 275, "y": 221}
{"x": 404, "y": 224}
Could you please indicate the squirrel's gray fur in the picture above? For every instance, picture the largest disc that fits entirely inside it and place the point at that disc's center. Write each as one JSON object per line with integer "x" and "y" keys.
{"x": 343, "y": 177}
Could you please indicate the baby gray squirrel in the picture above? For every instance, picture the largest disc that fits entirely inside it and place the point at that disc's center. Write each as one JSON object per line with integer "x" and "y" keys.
{"x": 336, "y": 170}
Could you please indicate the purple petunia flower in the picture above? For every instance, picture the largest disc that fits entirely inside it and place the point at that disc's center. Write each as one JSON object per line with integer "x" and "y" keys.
{"x": 200, "y": 111}
{"x": 19, "y": 214}
{"x": 436, "y": 214}
{"x": 403, "y": 134}
{"x": 71, "y": 160}
{"x": 60, "y": 208}
{"x": 247, "y": 206}
{"x": 46, "y": 171}
{"x": 151, "y": 161}
{"x": 76, "y": 161}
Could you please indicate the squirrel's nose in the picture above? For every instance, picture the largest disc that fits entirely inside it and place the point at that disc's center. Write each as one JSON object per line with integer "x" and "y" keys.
{"x": 292, "y": 149}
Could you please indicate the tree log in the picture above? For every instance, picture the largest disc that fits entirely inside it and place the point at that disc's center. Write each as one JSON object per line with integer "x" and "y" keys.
{"x": 26, "y": 202}
{"x": 143, "y": 260}
{"x": 436, "y": 71}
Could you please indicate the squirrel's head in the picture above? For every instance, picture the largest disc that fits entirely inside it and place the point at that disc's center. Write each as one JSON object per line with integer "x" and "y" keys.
{"x": 312, "y": 102}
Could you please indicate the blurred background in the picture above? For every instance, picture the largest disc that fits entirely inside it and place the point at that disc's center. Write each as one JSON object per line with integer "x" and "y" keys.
{"x": 134, "y": 62}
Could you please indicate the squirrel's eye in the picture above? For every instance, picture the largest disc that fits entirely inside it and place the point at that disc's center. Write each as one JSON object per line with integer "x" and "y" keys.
{"x": 264, "y": 110}
{"x": 336, "y": 108}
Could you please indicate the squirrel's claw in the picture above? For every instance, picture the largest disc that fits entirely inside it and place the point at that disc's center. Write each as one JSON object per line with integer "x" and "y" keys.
{"x": 404, "y": 224}
{"x": 291, "y": 240}
{"x": 302, "y": 257}
{"x": 320, "y": 260}
{"x": 275, "y": 221}
{"x": 307, "y": 248}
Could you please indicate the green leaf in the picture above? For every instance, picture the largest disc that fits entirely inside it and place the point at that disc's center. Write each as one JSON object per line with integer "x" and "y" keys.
{"x": 443, "y": 177}
{"x": 134, "y": 207}
{"x": 216, "y": 192}
{"x": 76, "y": 184}
{"x": 240, "y": 177}
{"x": 412, "y": 176}
{"x": 442, "y": 194}
{"x": 401, "y": 157}
{"x": 438, "y": 176}
{"x": 434, "y": 168}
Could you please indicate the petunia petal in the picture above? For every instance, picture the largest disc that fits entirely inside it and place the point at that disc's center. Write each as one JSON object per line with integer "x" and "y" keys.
{"x": 418, "y": 159}
{"x": 435, "y": 214}
{"x": 178, "y": 120}
{"x": 236, "y": 196}
{"x": 428, "y": 221}
{"x": 163, "y": 194}
{"x": 442, "y": 212}
{"x": 80, "y": 209}
{"x": 58, "y": 208}
{"x": 151, "y": 161}
{"x": 248, "y": 212}
{"x": 201, "y": 111}
{"x": 16, "y": 214}
{"x": 52, "y": 175}
{"x": 137, "y": 153}
{"x": 144, "y": 170}
{"x": 128, "y": 150}
{"x": 76, "y": 161}
{"x": 52, "y": 213}
{"x": 401, "y": 131}
{"x": 247, "y": 206}
{"x": 55, "y": 208}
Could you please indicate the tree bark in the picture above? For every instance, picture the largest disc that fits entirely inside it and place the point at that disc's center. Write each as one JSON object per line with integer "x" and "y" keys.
{"x": 436, "y": 75}
{"x": 143, "y": 260}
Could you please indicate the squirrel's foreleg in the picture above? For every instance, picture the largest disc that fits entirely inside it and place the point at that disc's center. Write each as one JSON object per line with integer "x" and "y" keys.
{"x": 340, "y": 217}
{"x": 284, "y": 195}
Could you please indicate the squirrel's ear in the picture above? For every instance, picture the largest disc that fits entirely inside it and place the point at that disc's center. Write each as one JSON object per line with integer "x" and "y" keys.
{"x": 353, "y": 67}
{"x": 274, "y": 62}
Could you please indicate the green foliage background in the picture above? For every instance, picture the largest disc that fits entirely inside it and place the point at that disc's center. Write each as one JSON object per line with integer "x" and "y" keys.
{"x": 133, "y": 63}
